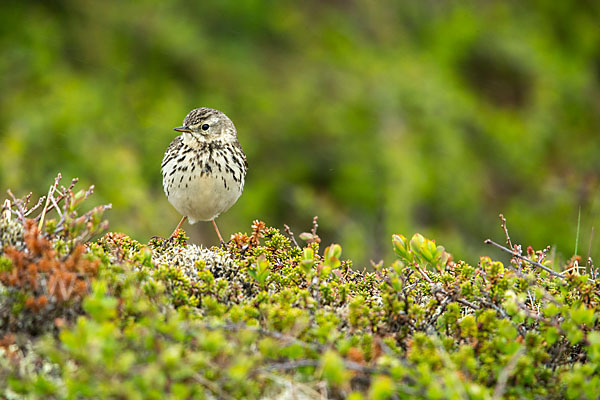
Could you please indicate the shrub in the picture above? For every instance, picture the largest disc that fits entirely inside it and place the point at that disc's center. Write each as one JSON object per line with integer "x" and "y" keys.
{"x": 263, "y": 316}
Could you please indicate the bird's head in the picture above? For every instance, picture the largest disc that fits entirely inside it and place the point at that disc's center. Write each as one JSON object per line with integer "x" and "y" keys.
{"x": 207, "y": 124}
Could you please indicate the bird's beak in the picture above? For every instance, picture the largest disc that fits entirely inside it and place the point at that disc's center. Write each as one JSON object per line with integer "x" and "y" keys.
{"x": 182, "y": 129}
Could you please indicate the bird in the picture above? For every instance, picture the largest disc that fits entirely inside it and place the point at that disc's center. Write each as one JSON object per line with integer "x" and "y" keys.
{"x": 204, "y": 168}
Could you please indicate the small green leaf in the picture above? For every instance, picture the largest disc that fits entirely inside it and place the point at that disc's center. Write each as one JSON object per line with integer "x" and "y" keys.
{"x": 100, "y": 306}
{"x": 261, "y": 270}
{"x": 551, "y": 310}
{"x": 332, "y": 256}
{"x": 333, "y": 368}
{"x": 416, "y": 242}
{"x": 582, "y": 315}
{"x": 382, "y": 388}
{"x": 308, "y": 260}
{"x": 401, "y": 248}
{"x": 551, "y": 335}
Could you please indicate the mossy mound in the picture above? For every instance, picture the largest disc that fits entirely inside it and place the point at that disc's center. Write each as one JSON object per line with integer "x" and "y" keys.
{"x": 264, "y": 317}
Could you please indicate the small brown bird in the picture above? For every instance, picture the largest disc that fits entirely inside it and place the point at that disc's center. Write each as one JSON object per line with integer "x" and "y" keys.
{"x": 204, "y": 168}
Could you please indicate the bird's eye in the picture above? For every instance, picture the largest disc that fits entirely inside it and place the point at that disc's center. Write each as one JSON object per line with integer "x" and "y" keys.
{"x": 205, "y": 127}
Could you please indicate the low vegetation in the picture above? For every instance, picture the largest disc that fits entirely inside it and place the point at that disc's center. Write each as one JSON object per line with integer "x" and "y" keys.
{"x": 272, "y": 315}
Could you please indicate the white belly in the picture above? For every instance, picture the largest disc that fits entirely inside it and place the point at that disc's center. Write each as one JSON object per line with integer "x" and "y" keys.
{"x": 203, "y": 181}
{"x": 203, "y": 198}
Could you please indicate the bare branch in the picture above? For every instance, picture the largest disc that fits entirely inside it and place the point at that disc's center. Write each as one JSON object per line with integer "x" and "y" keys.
{"x": 424, "y": 275}
{"x": 50, "y": 195}
{"x": 503, "y": 223}
{"x": 515, "y": 254}
{"x": 55, "y": 204}
{"x": 212, "y": 386}
{"x": 37, "y": 205}
{"x": 589, "y": 258}
{"x": 315, "y": 226}
{"x": 468, "y": 304}
{"x": 544, "y": 253}
{"x": 290, "y": 234}
{"x": 284, "y": 366}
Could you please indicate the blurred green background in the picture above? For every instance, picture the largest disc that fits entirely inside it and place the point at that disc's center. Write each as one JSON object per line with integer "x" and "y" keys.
{"x": 381, "y": 117}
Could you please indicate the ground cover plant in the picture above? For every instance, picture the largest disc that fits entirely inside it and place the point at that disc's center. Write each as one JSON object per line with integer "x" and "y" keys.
{"x": 272, "y": 314}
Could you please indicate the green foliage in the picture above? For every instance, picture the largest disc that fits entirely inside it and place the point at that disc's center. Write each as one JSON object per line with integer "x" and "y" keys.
{"x": 265, "y": 317}
{"x": 260, "y": 272}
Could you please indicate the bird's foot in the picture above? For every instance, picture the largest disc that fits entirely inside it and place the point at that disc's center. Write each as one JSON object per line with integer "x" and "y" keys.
{"x": 179, "y": 237}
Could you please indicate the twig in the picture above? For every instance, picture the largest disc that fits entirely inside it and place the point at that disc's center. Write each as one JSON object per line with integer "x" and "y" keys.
{"x": 88, "y": 192}
{"x": 589, "y": 255}
{"x": 503, "y": 223}
{"x": 405, "y": 288}
{"x": 290, "y": 234}
{"x": 424, "y": 275}
{"x": 56, "y": 207}
{"x": 20, "y": 208}
{"x": 50, "y": 195}
{"x": 354, "y": 366}
{"x": 295, "y": 364}
{"x": 593, "y": 271}
{"x": 39, "y": 203}
{"x": 285, "y": 366}
{"x": 575, "y": 267}
{"x": 518, "y": 250}
{"x": 311, "y": 237}
{"x": 515, "y": 254}
{"x": 439, "y": 310}
{"x": 64, "y": 192}
{"x": 212, "y": 386}
{"x": 544, "y": 253}
{"x": 27, "y": 198}
{"x": 468, "y": 304}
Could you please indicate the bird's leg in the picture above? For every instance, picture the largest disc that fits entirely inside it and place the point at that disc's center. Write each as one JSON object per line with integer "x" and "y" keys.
{"x": 179, "y": 225}
{"x": 218, "y": 233}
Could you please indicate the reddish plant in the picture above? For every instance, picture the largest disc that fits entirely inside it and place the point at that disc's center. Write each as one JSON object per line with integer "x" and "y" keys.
{"x": 43, "y": 275}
